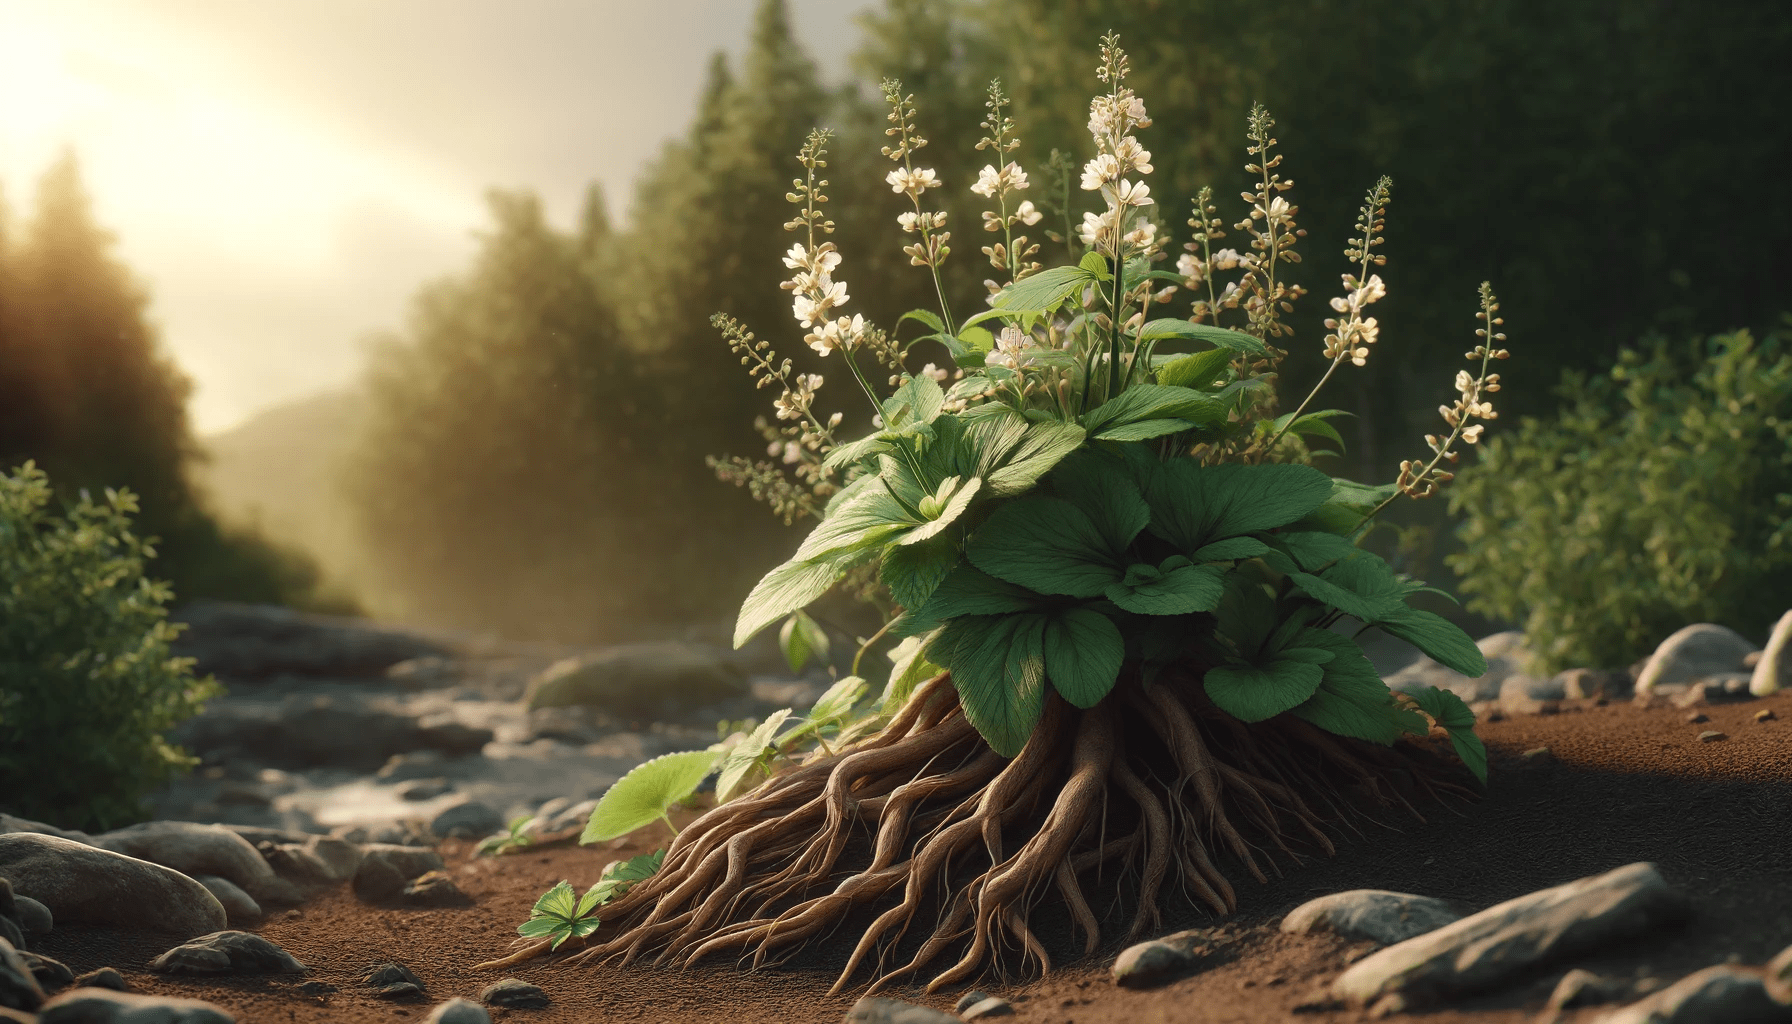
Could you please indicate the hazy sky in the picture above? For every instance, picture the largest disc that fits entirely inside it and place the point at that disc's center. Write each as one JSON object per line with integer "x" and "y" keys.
{"x": 284, "y": 173}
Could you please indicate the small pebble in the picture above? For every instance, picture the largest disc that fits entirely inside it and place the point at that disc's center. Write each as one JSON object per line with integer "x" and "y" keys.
{"x": 969, "y": 999}
{"x": 105, "y": 977}
{"x": 1538, "y": 756}
{"x": 515, "y": 993}
{"x": 994, "y": 1006}
{"x": 1765, "y": 715}
{"x": 1711, "y": 736}
{"x": 1696, "y": 717}
{"x": 317, "y": 988}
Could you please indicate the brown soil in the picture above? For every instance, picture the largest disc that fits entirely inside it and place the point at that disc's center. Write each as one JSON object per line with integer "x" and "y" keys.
{"x": 1627, "y": 784}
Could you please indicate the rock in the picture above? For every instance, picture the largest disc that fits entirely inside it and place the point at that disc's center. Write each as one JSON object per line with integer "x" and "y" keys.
{"x": 19, "y": 988}
{"x": 1765, "y": 715}
{"x": 1592, "y": 683}
{"x": 315, "y": 988}
{"x": 240, "y": 909}
{"x": 1505, "y": 653}
{"x": 1537, "y": 757}
{"x": 571, "y": 817}
{"x": 385, "y": 869}
{"x": 970, "y": 999}
{"x": 640, "y": 680}
{"x": 105, "y": 977}
{"x": 1693, "y": 653}
{"x": 394, "y": 981}
{"x": 514, "y": 993}
{"x": 227, "y": 952}
{"x": 1772, "y": 672}
{"x": 340, "y": 858}
{"x": 448, "y": 734}
{"x": 1721, "y": 688}
{"x": 105, "y": 1006}
{"x": 1712, "y": 736}
{"x": 424, "y": 789}
{"x": 994, "y": 1006}
{"x": 416, "y": 764}
{"x": 52, "y": 975}
{"x": 1159, "y": 960}
{"x": 194, "y": 849}
{"x": 435, "y": 889}
{"x": 1375, "y": 914}
{"x": 400, "y": 990}
{"x": 34, "y": 918}
{"x": 1486, "y": 949}
{"x": 258, "y": 834}
{"x": 1733, "y": 995}
{"x": 86, "y": 885}
{"x": 12, "y": 933}
{"x": 10, "y": 824}
{"x": 875, "y": 1010}
{"x": 244, "y": 642}
{"x": 468, "y": 819}
{"x": 1777, "y": 976}
{"x": 458, "y": 1011}
{"x": 1697, "y": 718}
{"x": 1530, "y": 687}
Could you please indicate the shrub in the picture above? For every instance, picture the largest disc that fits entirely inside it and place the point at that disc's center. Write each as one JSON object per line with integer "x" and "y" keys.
{"x": 1662, "y": 495}
{"x": 87, "y": 686}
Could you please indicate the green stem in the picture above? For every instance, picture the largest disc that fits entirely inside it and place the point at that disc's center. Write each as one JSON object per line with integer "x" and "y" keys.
{"x": 866, "y": 646}
{"x": 1114, "y": 315}
{"x": 1270, "y": 445}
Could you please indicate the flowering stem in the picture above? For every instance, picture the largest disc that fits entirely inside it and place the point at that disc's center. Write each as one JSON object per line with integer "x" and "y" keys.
{"x": 1270, "y": 445}
{"x": 1114, "y": 314}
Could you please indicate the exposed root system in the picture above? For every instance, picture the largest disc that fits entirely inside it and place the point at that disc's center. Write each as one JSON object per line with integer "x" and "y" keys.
{"x": 1153, "y": 787}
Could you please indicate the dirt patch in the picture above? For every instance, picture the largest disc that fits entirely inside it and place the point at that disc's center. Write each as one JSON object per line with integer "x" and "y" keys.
{"x": 1626, "y": 784}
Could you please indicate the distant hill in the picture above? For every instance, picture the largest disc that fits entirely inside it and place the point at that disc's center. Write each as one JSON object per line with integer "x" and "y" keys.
{"x": 278, "y": 473}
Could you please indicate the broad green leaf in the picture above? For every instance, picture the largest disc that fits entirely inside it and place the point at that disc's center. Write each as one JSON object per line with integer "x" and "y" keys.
{"x": 1361, "y": 586}
{"x": 1193, "y": 505}
{"x": 918, "y": 400}
{"x": 1313, "y": 424}
{"x": 1198, "y": 371}
{"x": 867, "y": 520}
{"x": 540, "y": 927}
{"x": 788, "y": 587}
{"x": 1183, "y": 330}
{"x": 837, "y": 700}
{"x": 1149, "y": 590}
{"x": 746, "y": 755}
{"x": 942, "y": 508}
{"x": 1316, "y": 550}
{"x": 997, "y": 664}
{"x": 978, "y": 339}
{"x": 584, "y": 926}
{"x": 1154, "y": 401}
{"x": 1096, "y": 265}
{"x": 854, "y": 487}
{"x": 1103, "y": 489}
{"x": 927, "y": 317}
{"x": 1448, "y": 710}
{"x": 1352, "y": 700}
{"x": 1046, "y": 545}
{"x": 800, "y": 638}
{"x": 1246, "y": 614}
{"x": 560, "y": 901}
{"x": 908, "y": 670}
{"x": 1231, "y": 550}
{"x": 967, "y": 590}
{"x": 1044, "y": 291}
{"x": 620, "y": 875}
{"x": 1041, "y": 446}
{"x": 983, "y": 317}
{"x": 912, "y": 571}
{"x": 1252, "y": 693}
{"x": 972, "y": 386}
{"x": 1144, "y": 430}
{"x": 1439, "y": 638}
{"x": 593, "y": 896}
{"x": 854, "y": 451}
{"x": 1083, "y": 653}
{"x": 646, "y": 793}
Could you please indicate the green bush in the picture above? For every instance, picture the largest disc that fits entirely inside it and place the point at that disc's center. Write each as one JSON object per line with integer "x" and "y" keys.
{"x": 87, "y": 686}
{"x": 1661, "y": 497}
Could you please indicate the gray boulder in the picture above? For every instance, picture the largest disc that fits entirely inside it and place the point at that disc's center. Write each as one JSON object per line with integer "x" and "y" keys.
{"x": 104, "y": 977}
{"x": 240, "y": 908}
{"x": 194, "y": 849}
{"x": 385, "y": 870}
{"x": 467, "y": 819}
{"x": 875, "y": 1010}
{"x": 19, "y": 988}
{"x": 641, "y": 680}
{"x": 227, "y": 952}
{"x": 1733, "y": 995}
{"x": 9, "y": 824}
{"x": 34, "y": 917}
{"x": 51, "y": 974}
{"x": 105, "y": 1006}
{"x": 85, "y": 885}
{"x": 1773, "y": 670}
{"x": 458, "y": 1011}
{"x": 1692, "y": 653}
{"x": 1375, "y": 914}
{"x": 1157, "y": 961}
{"x": 1506, "y": 655}
{"x": 1485, "y": 950}
{"x": 243, "y": 642}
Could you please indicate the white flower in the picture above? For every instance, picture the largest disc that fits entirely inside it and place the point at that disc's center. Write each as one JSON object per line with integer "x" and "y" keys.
{"x": 912, "y": 182}
{"x": 1131, "y": 155}
{"x": 1189, "y": 268}
{"x": 910, "y": 221}
{"x": 1143, "y": 236}
{"x": 793, "y": 452}
{"x": 1226, "y": 259}
{"x": 1101, "y": 117}
{"x": 935, "y": 372}
{"x": 815, "y": 306}
{"x": 1100, "y": 171}
{"x": 1027, "y": 214}
{"x": 1472, "y": 434}
{"x": 1370, "y": 292}
{"x": 1129, "y": 193}
{"x": 1135, "y": 112}
{"x": 1095, "y": 226}
{"x": 988, "y": 180}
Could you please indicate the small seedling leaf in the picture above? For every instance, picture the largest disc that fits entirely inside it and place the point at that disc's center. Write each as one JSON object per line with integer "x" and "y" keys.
{"x": 646, "y": 793}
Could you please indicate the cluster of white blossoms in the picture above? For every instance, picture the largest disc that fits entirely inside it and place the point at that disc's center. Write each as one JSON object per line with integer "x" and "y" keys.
{"x": 1419, "y": 481}
{"x": 1014, "y": 349}
{"x": 818, "y": 296}
{"x": 794, "y": 403}
{"x": 913, "y": 182}
{"x": 1353, "y": 333}
{"x": 1112, "y": 120}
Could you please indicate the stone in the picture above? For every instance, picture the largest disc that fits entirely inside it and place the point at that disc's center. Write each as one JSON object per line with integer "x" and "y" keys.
{"x": 227, "y": 952}
{"x": 104, "y": 977}
{"x": 515, "y": 994}
{"x": 34, "y": 918}
{"x": 424, "y": 789}
{"x": 339, "y": 857}
{"x": 970, "y": 999}
{"x": 876, "y": 1010}
{"x": 1727, "y": 993}
{"x": 19, "y": 987}
{"x": 1697, "y": 718}
{"x": 573, "y": 816}
{"x": 1724, "y": 687}
{"x": 994, "y": 1006}
{"x": 1765, "y": 715}
{"x": 1772, "y": 672}
{"x": 86, "y": 885}
{"x": 12, "y": 933}
{"x": 258, "y": 834}
{"x": 247, "y": 642}
{"x": 413, "y": 765}
{"x": 640, "y": 680}
{"x": 1505, "y": 653}
{"x": 435, "y": 889}
{"x": 390, "y": 974}
{"x": 52, "y": 975}
{"x": 105, "y": 1006}
{"x": 1777, "y": 976}
{"x": 1691, "y": 654}
{"x": 1159, "y": 960}
{"x": 1374, "y": 914}
{"x": 10, "y": 824}
{"x": 1712, "y": 736}
{"x": 399, "y": 990}
{"x": 458, "y": 1011}
{"x": 448, "y": 734}
{"x": 240, "y": 908}
{"x": 468, "y": 819}
{"x": 385, "y": 869}
{"x": 315, "y": 988}
{"x": 1592, "y": 683}
{"x": 1487, "y": 949}
{"x": 194, "y": 849}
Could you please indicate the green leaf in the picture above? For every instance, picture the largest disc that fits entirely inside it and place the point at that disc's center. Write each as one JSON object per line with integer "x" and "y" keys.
{"x": 800, "y": 638}
{"x": 584, "y": 926}
{"x": 788, "y": 587}
{"x": 1154, "y": 401}
{"x": 997, "y": 664}
{"x": 1352, "y": 700}
{"x": 1103, "y": 489}
{"x": 1313, "y": 424}
{"x": 1183, "y": 330}
{"x": 1083, "y": 653}
{"x": 1246, "y": 614}
{"x": 1439, "y": 638}
{"x": 1448, "y": 710}
{"x": 1252, "y": 693}
{"x": 1040, "y": 447}
{"x": 855, "y": 451}
{"x": 1231, "y": 550}
{"x": 984, "y": 317}
{"x": 1193, "y": 505}
{"x": 837, "y": 700}
{"x": 747, "y": 754}
{"x": 927, "y": 317}
{"x": 948, "y": 502}
{"x": 967, "y": 590}
{"x": 865, "y": 521}
{"x": 1167, "y": 590}
{"x": 1316, "y": 550}
{"x": 908, "y": 669}
{"x": 1044, "y": 291}
{"x": 1361, "y": 586}
{"x": 1096, "y": 265}
{"x": 1046, "y": 545}
{"x": 912, "y": 571}
{"x": 560, "y": 901}
{"x": 646, "y": 793}
{"x": 538, "y": 927}
{"x": 918, "y": 400}
{"x": 1199, "y": 370}
{"x": 1144, "y": 430}
{"x": 619, "y": 876}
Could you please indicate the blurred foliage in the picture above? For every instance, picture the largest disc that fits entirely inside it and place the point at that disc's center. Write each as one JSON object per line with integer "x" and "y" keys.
{"x": 87, "y": 392}
{"x": 87, "y": 686}
{"x": 1661, "y": 496}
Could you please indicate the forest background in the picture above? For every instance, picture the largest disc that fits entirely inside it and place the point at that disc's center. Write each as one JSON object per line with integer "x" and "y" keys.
{"x": 526, "y": 453}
